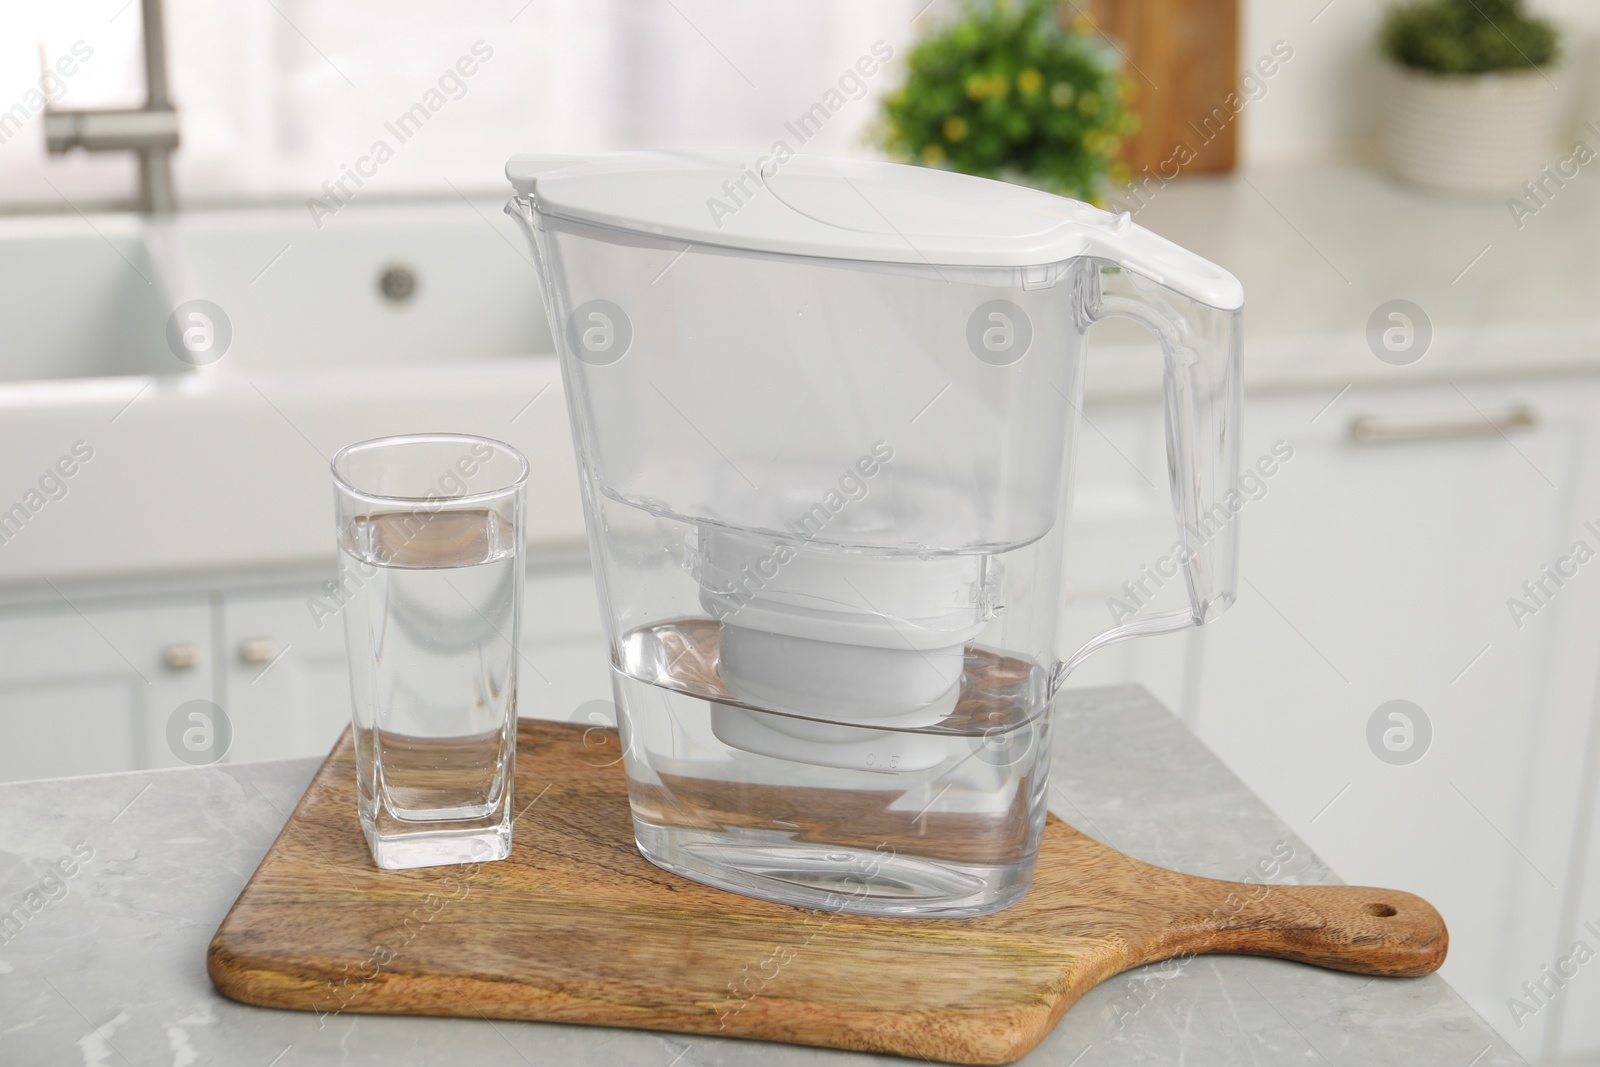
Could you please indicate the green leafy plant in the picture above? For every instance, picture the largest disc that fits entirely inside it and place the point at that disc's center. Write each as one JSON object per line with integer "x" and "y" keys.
{"x": 1006, "y": 91}
{"x": 1468, "y": 36}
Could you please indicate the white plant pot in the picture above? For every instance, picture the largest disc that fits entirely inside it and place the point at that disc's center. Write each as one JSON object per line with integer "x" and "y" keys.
{"x": 1469, "y": 133}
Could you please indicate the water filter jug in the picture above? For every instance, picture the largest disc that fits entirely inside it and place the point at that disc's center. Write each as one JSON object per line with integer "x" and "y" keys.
{"x": 824, "y": 414}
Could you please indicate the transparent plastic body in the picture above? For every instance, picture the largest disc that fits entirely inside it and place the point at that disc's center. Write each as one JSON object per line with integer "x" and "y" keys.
{"x": 430, "y": 543}
{"x": 826, "y": 502}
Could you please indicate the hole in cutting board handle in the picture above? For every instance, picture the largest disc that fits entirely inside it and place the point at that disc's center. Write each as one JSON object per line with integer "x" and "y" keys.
{"x": 1382, "y": 911}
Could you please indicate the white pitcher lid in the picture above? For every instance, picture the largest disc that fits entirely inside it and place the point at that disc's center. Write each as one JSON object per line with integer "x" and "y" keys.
{"x": 855, "y": 210}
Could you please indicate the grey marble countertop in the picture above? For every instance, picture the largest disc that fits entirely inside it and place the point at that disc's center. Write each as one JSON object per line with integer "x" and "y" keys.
{"x": 106, "y": 964}
{"x": 1321, "y": 246}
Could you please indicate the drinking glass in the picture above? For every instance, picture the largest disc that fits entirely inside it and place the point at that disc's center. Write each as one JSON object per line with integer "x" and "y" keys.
{"x": 430, "y": 552}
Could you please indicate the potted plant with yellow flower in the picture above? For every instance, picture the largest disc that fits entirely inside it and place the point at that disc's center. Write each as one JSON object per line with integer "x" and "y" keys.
{"x": 1008, "y": 91}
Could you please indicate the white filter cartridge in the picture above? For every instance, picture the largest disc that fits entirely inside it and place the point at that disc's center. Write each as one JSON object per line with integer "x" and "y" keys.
{"x": 861, "y": 639}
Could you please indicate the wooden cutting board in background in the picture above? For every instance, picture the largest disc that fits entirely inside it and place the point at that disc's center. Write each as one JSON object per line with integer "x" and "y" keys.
{"x": 1183, "y": 56}
{"x": 577, "y": 927}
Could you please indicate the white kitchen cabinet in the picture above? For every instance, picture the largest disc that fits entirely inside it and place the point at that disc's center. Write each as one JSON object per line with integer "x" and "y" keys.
{"x": 1381, "y": 571}
{"x": 288, "y": 694}
{"x": 566, "y": 665}
{"x": 90, "y": 687}
{"x": 94, "y": 686}
{"x": 287, "y": 690}
{"x": 1572, "y": 1016}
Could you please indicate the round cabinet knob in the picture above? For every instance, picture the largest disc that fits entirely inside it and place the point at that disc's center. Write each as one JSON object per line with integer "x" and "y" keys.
{"x": 258, "y": 651}
{"x": 184, "y": 656}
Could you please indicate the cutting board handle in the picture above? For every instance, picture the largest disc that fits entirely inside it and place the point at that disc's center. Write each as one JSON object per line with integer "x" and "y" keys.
{"x": 1346, "y": 928}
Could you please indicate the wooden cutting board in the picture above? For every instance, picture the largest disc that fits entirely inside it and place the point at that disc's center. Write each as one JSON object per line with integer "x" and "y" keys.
{"x": 576, "y": 927}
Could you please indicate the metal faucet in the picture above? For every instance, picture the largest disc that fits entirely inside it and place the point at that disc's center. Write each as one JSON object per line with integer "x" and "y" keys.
{"x": 150, "y": 131}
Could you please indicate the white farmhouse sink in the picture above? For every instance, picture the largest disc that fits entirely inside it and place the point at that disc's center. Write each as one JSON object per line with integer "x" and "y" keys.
{"x": 76, "y": 301}
{"x": 90, "y": 296}
{"x": 224, "y": 466}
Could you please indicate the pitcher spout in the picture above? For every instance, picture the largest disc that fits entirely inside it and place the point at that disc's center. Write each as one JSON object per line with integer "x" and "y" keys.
{"x": 522, "y": 172}
{"x": 520, "y": 208}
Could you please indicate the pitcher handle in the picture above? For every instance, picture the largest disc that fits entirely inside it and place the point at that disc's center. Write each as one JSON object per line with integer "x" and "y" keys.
{"x": 1201, "y": 343}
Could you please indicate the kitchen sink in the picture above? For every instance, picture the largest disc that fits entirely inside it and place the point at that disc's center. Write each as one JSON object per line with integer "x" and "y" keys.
{"x": 390, "y": 318}
{"x": 376, "y": 286}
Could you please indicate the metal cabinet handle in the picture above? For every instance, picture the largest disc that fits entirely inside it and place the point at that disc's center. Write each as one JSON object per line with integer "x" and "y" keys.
{"x": 1372, "y": 430}
{"x": 183, "y": 656}
{"x": 258, "y": 651}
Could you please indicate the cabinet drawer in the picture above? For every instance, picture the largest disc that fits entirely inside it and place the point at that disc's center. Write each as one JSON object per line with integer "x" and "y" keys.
{"x": 89, "y": 690}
